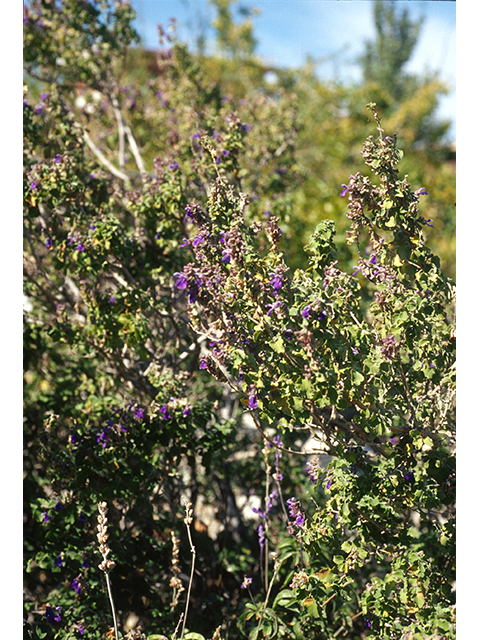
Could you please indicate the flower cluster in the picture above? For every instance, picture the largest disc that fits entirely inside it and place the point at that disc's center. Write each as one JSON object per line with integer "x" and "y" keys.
{"x": 389, "y": 348}
{"x": 295, "y": 512}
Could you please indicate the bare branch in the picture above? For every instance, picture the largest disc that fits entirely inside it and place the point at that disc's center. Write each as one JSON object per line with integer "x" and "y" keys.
{"x": 103, "y": 160}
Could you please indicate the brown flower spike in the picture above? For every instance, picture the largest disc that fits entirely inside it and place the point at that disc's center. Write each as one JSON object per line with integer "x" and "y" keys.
{"x": 102, "y": 536}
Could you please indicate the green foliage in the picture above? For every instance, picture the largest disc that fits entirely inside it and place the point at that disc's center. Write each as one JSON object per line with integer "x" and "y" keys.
{"x": 295, "y": 346}
{"x": 166, "y": 329}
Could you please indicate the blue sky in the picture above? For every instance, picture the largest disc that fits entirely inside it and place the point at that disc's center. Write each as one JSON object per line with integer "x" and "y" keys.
{"x": 333, "y": 30}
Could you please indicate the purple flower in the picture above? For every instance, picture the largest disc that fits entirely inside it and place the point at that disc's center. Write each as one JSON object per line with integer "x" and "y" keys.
{"x": 45, "y": 517}
{"x": 272, "y": 306}
{"x": 373, "y": 259}
{"x": 246, "y": 582}
{"x": 48, "y": 242}
{"x": 252, "y": 401}
{"x": 198, "y": 240}
{"x": 295, "y": 512}
{"x": 203, "y": 364}
{"x": 276, "y": 283}
{"x": 259, "y": 512}
{"x": 58, "y": 506}
{"x": 58, "y": 158}
{"x": 81, "y": 629}
{"x": 277, "y": 442}
{"x": 102, "y": 437}
{"x": 306, "y": 312}
{"x": 174, "y": 165}
{"x": 86, "y": 563}
{"x": 58, "y": 561}
{"x": 422, "y": 192}
{"x": 33, "y": 185}
{"x": 76, "y": 586}
{"x": 53, "y": 615}
{"x": 322, "y": 315}
{"x": 368, "y": 622}
{"x": 345, "y": 189}
{"x": 410, "y": 477}
{"x": 138, "y": 413}
{"x": 80, "y": 247}
{"x": 329, "y": 484}
{"x": 312, "y": 469}
{"x": 111, "y": 299}
{"x": 261, "y": 535}
{"x": 164, "y": 411}
{"x": 426, "y": 222}
{"x": 182, "y": 281}
{"x": 186, "y": 412}
{"x": 82, "y": 517}
{"x": 271, "y": 499}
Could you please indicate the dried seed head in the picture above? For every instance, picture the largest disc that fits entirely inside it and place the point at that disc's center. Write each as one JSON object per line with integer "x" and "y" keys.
{"x": 276, "y": 561}
{"x": 188, "y": 511}
{"x": 175, "y": 553}
{"x": 216, "y": 635}
{"x": 176, "y": 583}
{"x": 102, "y": 536}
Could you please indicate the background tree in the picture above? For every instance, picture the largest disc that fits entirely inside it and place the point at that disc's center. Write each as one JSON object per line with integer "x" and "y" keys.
{"x": 384, "y": 59}
{"x": 331, "y": 125}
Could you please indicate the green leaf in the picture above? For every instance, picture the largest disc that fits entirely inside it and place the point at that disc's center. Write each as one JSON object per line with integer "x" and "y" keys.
{"x": 346, "y": 546}
{"x": 284, "y": 598}
{"x": 278, "y": 345}
{"x": 357, "y": 377}
{"x": 311, "y": 605}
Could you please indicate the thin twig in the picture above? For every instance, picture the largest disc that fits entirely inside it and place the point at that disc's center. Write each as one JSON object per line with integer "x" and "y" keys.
{"x": 188, "y": 521}
{"x": 103, "y": 160}
{"x": 112, "y": 605}
{"x": 275, "y": 573}
{"x": 123, "y": 129}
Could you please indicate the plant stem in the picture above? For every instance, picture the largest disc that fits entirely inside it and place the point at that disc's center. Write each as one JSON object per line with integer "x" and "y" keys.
{"x": 267, "y": 491}
{"x": 110, "y": 597}
{"x": 275, "y": 572}
{"x": 192, "y": 549}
